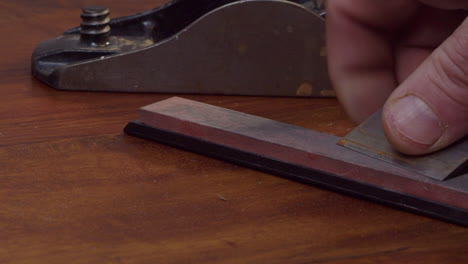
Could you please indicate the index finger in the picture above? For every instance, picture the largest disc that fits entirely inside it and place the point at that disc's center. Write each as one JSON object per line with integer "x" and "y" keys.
{"x": 361, "y": 62}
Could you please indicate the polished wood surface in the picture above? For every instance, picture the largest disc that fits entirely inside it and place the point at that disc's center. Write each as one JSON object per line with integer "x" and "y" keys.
{"x": 75, "y": 189}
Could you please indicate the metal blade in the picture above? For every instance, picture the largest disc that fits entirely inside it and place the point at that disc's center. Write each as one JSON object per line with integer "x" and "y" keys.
{"x": 369, "y": 138}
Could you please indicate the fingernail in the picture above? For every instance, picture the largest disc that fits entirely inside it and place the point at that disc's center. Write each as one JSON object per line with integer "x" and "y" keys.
{"x": 413, "y": 118}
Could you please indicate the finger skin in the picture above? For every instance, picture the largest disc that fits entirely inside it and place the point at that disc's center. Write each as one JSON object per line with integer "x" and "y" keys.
{"x": 441, "y": 83}
{"x": 447, "y": 4}
{"x": 373, "y": 46}
{"x": 360, "y": 54}
{"x": 376, "y": 46}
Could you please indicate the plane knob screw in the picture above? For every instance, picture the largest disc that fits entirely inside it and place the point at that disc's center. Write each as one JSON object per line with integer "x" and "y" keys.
{"x": 95, "y": 29}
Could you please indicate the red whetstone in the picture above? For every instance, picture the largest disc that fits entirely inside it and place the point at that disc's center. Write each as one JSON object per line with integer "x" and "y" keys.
{"x": 296, "y": 145}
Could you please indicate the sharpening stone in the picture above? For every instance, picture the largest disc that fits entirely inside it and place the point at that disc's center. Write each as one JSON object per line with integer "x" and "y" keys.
{"x": 299, "y": 154}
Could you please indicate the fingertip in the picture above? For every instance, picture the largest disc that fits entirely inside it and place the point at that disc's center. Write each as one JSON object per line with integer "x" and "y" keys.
{"x": 411, "y": 126}
{"x": 429, "y": 110}
{"x": 400, "y": 142}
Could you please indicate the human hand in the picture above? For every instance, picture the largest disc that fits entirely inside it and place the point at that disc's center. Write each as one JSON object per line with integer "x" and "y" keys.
{"x": 410, "y": 56}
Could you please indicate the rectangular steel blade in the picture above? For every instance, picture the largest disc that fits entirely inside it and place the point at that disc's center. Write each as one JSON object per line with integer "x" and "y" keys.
{"x": 368, "y": 138}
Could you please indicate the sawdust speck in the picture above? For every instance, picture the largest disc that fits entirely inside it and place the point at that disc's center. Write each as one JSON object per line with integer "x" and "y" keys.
{"x": 222, "y": 198}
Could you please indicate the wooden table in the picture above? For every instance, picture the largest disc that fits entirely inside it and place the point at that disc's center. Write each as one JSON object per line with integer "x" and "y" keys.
{"x": 75, "y": 189}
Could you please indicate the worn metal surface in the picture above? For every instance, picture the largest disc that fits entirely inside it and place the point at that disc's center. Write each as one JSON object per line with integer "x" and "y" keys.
{"x": 368, "y": 138}
{"x": 300, "y": 154}
{"x": 198, "y": 46}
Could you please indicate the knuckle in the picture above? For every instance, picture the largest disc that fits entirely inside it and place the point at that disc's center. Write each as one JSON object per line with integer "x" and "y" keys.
{"x": 450, "y": 65}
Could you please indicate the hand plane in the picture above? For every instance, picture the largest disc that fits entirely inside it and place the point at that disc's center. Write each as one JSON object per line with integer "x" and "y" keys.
{"x": 231, "y": 47}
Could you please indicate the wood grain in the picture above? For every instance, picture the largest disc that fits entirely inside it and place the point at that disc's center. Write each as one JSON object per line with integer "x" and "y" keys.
{"x": 74, "y": 189}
